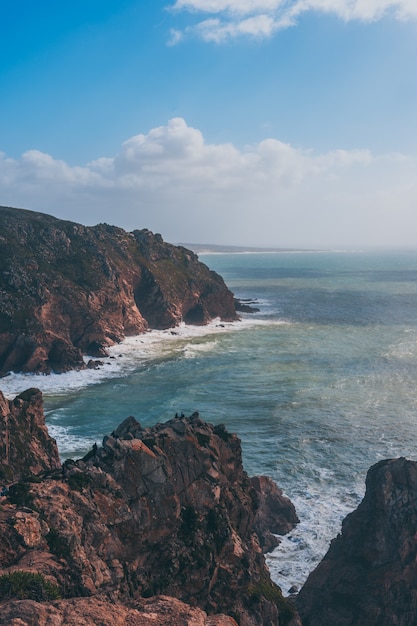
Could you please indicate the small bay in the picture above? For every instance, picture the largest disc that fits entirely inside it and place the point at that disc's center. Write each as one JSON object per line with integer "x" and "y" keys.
{"x": 319, "y": 384}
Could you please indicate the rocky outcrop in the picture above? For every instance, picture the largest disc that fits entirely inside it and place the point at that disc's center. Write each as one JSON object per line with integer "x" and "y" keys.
{"x": 68, "y": 290}
{"x": 160, "y": 611}
{"x": 25, "y": 445}
{"x": 166, "y": 510}
{"x": 275, "y": 515}
{"x": 369, "y": 575}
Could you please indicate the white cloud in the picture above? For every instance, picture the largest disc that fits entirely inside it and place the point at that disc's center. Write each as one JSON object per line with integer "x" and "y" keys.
{"x": 257, "y": 26}
{"x": 172, "y": 181}
{"x": 237, "y": 7}
{"x": 262, "y": 18}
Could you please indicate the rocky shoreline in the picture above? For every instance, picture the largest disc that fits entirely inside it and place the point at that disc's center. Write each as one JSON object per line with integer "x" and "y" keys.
{"x": 158, "y": 525}
{"x": 164, "y": 511}
{"x": 68, "y": 290}
{"x": 162, "y": 525}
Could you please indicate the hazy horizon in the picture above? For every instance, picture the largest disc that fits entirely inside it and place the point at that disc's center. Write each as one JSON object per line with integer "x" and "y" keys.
{"x": 262, "y": 123}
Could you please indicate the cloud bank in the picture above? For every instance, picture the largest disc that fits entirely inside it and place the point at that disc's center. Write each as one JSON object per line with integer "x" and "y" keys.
{"x": 172, "y": 181}
{"x": 229, "y": 19}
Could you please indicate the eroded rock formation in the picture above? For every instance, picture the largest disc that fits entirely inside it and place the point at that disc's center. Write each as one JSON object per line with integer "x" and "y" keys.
{"x": 166, "y": 510}
{"x": 25, "y": 445}
{"x": 67, "y": 290}
{"x": 369, "y": 575}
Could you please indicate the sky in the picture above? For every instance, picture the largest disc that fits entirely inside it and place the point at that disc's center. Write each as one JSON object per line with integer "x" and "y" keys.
{"x": 285, "y": 123}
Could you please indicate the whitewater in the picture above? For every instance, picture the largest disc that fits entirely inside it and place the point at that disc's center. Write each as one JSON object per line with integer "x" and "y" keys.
{"x": 319, "y": 384}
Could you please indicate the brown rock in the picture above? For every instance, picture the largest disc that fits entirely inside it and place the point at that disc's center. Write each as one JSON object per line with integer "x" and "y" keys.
{"x": 276, "y": 513}
{"x": 160, "y": 611}
{"x": 68, "y": 290}
{"x": 27, "y": 525}
{"x": 369, "y": 575}
{"x": 25, "y": 445}
{"x": 164, "y": 510}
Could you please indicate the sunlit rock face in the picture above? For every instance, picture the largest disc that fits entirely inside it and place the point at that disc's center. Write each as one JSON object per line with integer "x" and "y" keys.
{"x": 159, "y": 611}
{"x": 68, "y": 290}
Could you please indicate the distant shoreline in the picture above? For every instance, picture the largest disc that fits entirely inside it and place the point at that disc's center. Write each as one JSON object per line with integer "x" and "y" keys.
{"x": 200, "y": 248}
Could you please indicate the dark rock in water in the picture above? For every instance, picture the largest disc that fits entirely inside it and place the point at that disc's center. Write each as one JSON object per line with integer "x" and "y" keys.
{"x": 68, "y": 290}
{"x": 94, "y": 364}
{"x": 276, "y": 514}
{"x": 244, "y": 306}
{"x": 369, "y": 575}
{"x": 166, "y": 510}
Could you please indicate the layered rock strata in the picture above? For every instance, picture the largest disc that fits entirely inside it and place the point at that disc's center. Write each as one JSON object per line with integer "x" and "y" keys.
{"x": 155, "y": 511}
{"x": 68, "y": 290}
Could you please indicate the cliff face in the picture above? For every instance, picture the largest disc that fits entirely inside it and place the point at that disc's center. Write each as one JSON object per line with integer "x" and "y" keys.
{"x": 164, "y": 510}
{"x": 25, "y": 445}
{"x": 162, "y": 516}
{"x": 68, "y": 290}
{"x": 369, "y": 575}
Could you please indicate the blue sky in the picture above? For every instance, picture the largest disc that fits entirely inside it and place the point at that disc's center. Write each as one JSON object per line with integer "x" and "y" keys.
{"x": 267, "y": 122}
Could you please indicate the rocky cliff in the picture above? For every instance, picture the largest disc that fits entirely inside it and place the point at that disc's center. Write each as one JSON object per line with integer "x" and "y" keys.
{"x": 162, "y": 511}
{"x": 25, "y": 445}
{"x": 162, "y": 526}
{"x": 369, "y": 575}
{"x": 68, "y": 290}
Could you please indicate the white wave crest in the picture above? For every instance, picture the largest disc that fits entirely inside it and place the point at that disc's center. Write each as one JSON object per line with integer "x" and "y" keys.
{"x": 126, "y": 356}
{"x": 321, "y": 515}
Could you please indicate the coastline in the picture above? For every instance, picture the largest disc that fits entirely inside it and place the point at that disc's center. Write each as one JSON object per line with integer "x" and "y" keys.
{"x": 125, "y": 357}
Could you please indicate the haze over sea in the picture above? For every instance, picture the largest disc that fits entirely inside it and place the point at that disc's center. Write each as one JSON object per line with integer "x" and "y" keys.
{"x": 319, "y": 385}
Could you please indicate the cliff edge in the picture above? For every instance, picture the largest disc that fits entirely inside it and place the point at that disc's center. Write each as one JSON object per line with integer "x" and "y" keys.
{"x": 68, "y": 290}
{"x": 162, "y": 511}
{"x": 369, "y": 575}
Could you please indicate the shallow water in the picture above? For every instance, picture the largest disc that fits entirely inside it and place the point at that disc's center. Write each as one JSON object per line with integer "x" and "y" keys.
{"x": 319, "y": 384}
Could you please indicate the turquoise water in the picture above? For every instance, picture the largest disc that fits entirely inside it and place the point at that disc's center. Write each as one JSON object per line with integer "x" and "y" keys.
{"x": 319, "y": 384}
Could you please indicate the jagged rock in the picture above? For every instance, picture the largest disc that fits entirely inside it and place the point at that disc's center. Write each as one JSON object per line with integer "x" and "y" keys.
{"x": 160, "y": 611}
{"x": 276, "y": 514}
{"x": 369, "y": 575}
{"x": 25, "y": 445}
{"x": 166, "y": 510}
{"x": 68, "y": 290}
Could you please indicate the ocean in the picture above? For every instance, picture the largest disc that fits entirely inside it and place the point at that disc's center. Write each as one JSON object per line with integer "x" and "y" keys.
{"x": 319, "y": 384}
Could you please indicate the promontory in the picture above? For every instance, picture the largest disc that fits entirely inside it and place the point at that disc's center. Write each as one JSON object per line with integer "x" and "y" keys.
{"x": 68, "y": 290}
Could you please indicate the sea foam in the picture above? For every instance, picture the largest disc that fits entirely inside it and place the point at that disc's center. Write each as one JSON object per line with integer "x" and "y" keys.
{"x": 126, "y": 356}
{"x": 321, "y": 514}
